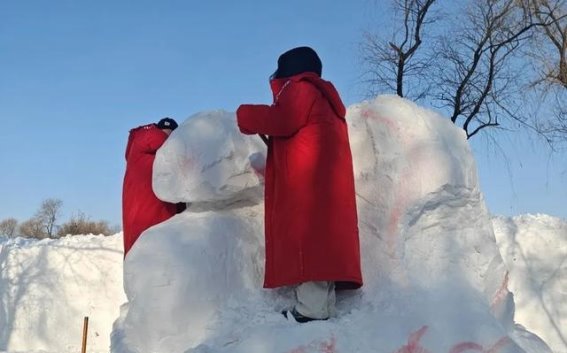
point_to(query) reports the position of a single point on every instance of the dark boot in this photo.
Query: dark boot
(298, 317)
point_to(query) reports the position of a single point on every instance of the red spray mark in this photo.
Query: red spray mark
(466, 346)
(374, 116)
(471, 346)
(185, 163)
(413, 345)
(300, 349)
(368, 114)
(396, 212)
(401, 200)
(501, 293)
(328, 347)
(322, 347)
(499, 345)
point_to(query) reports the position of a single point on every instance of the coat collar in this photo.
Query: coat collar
(327, 89)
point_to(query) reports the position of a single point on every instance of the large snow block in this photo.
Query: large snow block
(421, 213)
(181, 272)
(207, 159)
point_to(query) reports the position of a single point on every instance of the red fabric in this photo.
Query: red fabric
(141, 209)
(310, 209)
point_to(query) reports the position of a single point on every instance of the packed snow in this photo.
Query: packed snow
(439, 271)
(48, 286)
(534, 249)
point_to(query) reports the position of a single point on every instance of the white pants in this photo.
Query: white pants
(316, 299)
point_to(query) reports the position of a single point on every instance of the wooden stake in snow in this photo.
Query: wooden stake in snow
(85, 330)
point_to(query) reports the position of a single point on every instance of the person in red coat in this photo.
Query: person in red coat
(141, 208)
(311, 227)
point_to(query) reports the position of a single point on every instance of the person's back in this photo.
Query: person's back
(141, 208)
(310, 208)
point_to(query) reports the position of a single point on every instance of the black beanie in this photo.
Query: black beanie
(167, 123)
(296, 61)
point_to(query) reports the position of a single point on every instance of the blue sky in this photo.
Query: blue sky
(75, 76)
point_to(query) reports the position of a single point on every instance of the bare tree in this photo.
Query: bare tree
(549, 51)
(81, 224)
(474, 72)
(553, 124)
(477, 81)
(48, 215)
(32, 228)
(8, 227)
(43, 223)
(392, 62)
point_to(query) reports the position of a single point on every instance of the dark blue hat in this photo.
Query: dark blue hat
(296, 61)
(167, 123)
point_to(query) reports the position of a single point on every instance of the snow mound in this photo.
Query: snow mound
(47, 287)
(534, 248)
(434, 277)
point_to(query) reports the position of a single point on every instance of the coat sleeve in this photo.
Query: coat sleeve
(152, 141)
(286, 116)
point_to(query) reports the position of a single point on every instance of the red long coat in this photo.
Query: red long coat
(310, 209)
(141, 209)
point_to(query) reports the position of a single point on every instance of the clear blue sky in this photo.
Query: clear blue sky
(75, 76)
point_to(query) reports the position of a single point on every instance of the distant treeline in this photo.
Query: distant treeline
(45, 224)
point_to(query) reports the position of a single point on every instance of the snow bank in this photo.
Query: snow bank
(434, 278)
(535, 259)
(48, 286)
(534, 248)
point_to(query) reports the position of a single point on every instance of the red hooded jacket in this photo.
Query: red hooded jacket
(141, 209)
(310, 208)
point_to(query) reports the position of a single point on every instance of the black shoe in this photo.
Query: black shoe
(298, 317)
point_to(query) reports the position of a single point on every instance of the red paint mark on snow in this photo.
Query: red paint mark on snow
(366, 114)
(317, 346)
(501, 293)
(466, 346)
(393, 224)
(374, 116)
(471, 346)
(186, 162)
(329, 347)
(413, 345)
(501, 343)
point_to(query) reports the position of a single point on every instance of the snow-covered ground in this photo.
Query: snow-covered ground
(544, 238)
(439, 271)
(534, 248)
(47, 287)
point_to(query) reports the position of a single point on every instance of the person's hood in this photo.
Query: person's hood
(134, 133)
(325, 87)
